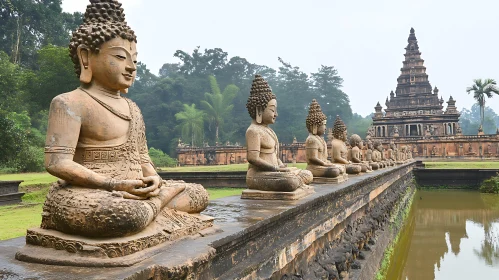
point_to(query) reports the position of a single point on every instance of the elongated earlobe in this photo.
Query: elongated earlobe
(259, 114)
(84, 58)
(314, 129)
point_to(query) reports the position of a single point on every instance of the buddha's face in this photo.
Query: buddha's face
(321, 129)
(114, 67)
(270, 112)
(343, 135)
(360, 144)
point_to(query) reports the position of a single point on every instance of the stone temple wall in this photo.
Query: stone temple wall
(444, 147)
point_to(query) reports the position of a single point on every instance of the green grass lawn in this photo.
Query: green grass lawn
(29, 178)
(462, 165)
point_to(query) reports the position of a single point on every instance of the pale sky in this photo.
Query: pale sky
(364, 40)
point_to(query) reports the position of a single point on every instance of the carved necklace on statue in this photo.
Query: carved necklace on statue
(109, 108)
(323, 142)
(272, 134)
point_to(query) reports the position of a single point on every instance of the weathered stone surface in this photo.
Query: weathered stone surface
(325, 180)
(9, 192)
(260, 238)
(269, 195)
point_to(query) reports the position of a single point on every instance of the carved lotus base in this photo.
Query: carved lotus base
(56, 248)
(269, 195)
(326, 180)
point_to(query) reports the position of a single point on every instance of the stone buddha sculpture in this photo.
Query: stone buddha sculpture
(402, 154)
(393, 153)
(355, 153)
(266, 172)
(370, 157)
(377, 157)
(96, 144)
(409, 152)
(339, 147)
(386, 160)
(316, 148)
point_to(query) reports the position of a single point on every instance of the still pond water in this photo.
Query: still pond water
(449, 235)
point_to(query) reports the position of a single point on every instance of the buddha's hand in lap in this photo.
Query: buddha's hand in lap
(283, 169)
(135, 189)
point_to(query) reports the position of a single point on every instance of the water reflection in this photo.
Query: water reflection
(449, 235)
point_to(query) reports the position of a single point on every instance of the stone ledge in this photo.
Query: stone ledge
(259, 238)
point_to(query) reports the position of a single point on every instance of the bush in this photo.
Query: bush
(490, 185)
(160, 159)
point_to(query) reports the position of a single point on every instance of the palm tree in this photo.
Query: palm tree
(191, 123)
(482, 89)
(218, 105)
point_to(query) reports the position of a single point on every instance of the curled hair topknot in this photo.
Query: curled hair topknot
(103, 21)
(339, 128)
(315, 115)
(260, 95)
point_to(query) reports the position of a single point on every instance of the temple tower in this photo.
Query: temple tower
(414, 109)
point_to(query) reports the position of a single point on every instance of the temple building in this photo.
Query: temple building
(415, 109)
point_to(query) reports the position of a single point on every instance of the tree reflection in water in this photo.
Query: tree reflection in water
(432, 241)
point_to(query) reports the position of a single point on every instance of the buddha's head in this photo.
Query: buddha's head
(262, 103)
(316, 120)
(378, 146)
(339, 129)
(103, 48)
(356, 141)
(392, 145)
(369, 144)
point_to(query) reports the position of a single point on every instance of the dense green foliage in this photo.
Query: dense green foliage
(470, 120)
(160, 159)
(490, 185)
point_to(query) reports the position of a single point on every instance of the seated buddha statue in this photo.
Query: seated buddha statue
(386, 160)
(377, 154)
(392, 152)
(355, 153)
(339, 147)
(409, 153)
(402, 154)
(96, 145)
(266, 172)
(370, 156)
(316, 147)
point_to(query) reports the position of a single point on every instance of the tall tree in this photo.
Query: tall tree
(481, 90)
(218, 105)
(191, 123)
(326, 86)
(28, 25)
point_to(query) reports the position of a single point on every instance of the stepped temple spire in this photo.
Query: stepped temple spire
(414, 108)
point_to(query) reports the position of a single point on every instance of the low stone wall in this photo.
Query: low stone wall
(453, 178)
(232, 179)
(9, 192)
(265, 239)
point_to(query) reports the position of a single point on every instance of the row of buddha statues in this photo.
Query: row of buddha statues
(267, 173)
(109, 201)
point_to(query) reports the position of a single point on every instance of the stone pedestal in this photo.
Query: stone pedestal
(326, 180)
(269, 195)
(9, 192)
(56, 248)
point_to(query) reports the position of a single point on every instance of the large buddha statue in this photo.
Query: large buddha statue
(316, 148)
(340, 151)
(355, 153)
(267, 176)
(96, 144)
